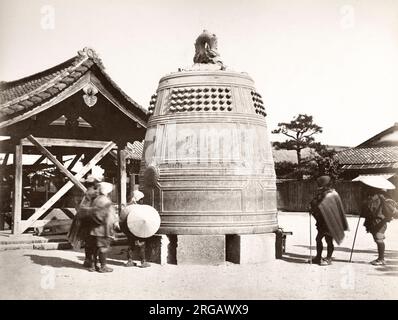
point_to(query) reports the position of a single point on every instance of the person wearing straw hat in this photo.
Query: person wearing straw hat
(328, 211)
(105, 220)
(377, 210)
(133, 240)
(82, 223)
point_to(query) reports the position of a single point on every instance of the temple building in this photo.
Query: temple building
(73, 110)
(376, 156)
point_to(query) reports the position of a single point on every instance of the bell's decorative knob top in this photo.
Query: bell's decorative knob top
(206, 50)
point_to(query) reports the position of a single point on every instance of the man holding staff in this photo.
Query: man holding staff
(328, 211)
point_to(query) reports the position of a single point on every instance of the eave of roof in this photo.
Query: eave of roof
(372, 156)
(26, 94)
(370, 166)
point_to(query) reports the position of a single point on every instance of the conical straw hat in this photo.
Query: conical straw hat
(143, 221)
(375, 181)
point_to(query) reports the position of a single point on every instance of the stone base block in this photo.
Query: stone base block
(200, 249)
(209, 249)
(250, 248)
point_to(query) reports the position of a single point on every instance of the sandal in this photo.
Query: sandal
(378, 262)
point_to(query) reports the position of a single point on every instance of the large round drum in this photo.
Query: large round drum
(207, 165)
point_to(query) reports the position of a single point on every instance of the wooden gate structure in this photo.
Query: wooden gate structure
(74, 108)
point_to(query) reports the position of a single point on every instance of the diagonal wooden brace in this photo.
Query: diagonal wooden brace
(38, 161)
(68, 185)
(5, 160)
(58, 164)
(76, 159)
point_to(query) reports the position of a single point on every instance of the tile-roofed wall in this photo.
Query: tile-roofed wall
(135, 150)
(281, 155)
(373, 155)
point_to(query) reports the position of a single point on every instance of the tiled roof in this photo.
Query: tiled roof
(370, 166)
(20, 96)
(134, 150)
(368, 158)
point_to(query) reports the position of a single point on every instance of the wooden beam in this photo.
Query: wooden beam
(60, 158)
(58, 164)
(5, 160)
(122, 178)
(74, 161)
(52, 142)
(17, 196)
(38, 161)
(68, 185)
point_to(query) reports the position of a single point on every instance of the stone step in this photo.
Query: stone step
(49, 243)
(38, 246)
(30, 240)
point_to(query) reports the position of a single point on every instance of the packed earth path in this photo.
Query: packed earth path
(59, 274)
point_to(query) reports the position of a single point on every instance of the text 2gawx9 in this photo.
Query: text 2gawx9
(200, 309)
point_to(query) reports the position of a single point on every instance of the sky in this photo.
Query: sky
(335, 60)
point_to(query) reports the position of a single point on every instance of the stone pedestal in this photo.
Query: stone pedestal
(250, 248)
(200, 249)
(210, 249)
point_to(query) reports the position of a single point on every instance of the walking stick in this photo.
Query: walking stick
(310, 241)
(355, 236)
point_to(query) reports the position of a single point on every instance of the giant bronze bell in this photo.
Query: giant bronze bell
(207, 165)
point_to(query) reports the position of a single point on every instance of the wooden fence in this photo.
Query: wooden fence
(296, 195)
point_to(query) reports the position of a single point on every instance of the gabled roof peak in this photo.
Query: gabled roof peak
(90, 53)
(374, 141)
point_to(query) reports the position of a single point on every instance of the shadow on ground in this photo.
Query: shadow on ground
(116, 257)
(301, 258)
(57, 262)
(389, 254)
(390, 269)
(343, 249)
(54, 262)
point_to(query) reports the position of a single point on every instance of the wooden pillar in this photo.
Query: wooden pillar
(17, 196)
(132, 184)
(121, 177)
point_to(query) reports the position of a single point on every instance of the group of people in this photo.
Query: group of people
(328, 211)
(95, 224)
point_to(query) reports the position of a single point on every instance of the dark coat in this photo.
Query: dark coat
(314, 209)
(81, 223)
(104, 217)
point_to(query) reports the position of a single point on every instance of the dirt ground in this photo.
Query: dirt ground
(56, 274)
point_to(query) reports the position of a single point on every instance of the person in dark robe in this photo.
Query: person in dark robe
(82, 222)
(101, 234)
(328, 211)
